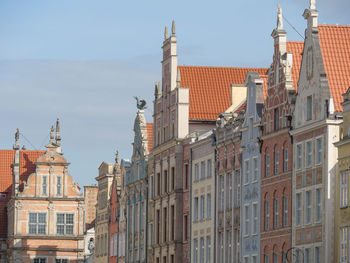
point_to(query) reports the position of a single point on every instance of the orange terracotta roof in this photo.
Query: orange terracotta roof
(296, 48)
(335, 48)
(210, 88)
(265, 78)
(243, 106)
(149, 127)
(27, 166)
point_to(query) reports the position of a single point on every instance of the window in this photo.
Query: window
(196, 172)
(208, 205)
(246, 219)
(158, 183)
(186, 176)
(343, 244)
(318, 150)
(202, 208)
(195, 218)
(201, 250)
(61, 260)
(255, 218)
(172, 178)
(208, 248)
(221, 247)
(285, 211)
(202, 170)
(308, 154)
(44, 185)
(186, 226)
(195, 251)
(318, 205)
(267, 215)
(298, 208)
(276, 162)
(254, 259)
(165, 181)
(309, 108)
(266, 258)
(65, 224)
(317, 255)
(308, 207)
(151, 187)
(229, 191)
(307, 255)
(285, 160)
(172, 214)
(136, 213)
(246, 171)
(255, 169)
(209, 168)
(277, 119)
(284, 257)
(39, 260)
(299, 153)
(229, 246)
(251, 128)
(275, 258)
(238, 188)
(37, 223)
(222, 193)
(275, 213)
(165, 224)
(344, 188)
(237, 245)
(267, 165)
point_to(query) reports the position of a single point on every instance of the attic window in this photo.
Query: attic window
(309, 108)
(2, 195)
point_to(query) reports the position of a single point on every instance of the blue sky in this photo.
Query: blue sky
(83, 61)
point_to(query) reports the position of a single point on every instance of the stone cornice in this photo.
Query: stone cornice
(278, 133)
(38, 198)
(54, 237)
(314, 125)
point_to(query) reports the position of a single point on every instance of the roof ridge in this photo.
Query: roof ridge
(294, 41)
(222, 67)
(328, 25)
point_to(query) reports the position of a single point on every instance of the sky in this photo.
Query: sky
(83, 61)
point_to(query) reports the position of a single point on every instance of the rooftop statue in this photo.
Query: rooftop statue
(140, 104)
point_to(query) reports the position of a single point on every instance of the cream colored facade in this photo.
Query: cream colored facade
(342, 204)
(203, 199)
(104, 179)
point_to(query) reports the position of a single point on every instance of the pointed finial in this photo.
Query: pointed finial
(173, 28)
(16, 145)
(166, 33)
(312, 4)
(58, 134)
(52, 137)
(279, 17)
(117, 157)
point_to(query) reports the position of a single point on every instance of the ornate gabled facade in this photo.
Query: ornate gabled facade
(324, 76)
(276, 148)
(228, 186)
(46, 209)
(137, 190)
(251, 163)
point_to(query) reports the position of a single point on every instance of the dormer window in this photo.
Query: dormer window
(309, 108)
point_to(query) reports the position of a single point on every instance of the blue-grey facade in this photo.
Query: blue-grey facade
(251, 167)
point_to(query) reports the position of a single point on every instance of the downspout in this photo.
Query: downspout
(146, 220)
(190, 214)
(215, 195)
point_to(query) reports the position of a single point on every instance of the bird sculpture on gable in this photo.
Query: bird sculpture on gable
(140, 104)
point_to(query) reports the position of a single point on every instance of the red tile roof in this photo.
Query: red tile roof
(265, 78)
(149, 127)
(27, 167)
(210, 88)
(335, 48)
(296, 48)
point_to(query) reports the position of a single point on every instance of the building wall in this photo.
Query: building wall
(203, 200)
(90, 197)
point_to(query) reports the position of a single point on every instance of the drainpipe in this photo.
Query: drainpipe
(190, 214)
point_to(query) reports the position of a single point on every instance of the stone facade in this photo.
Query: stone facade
(90, 197)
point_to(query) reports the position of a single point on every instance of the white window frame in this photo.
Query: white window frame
(246, 220)
(37, 223)
(298, 207)
(255, 215)
(201, 250)
(238, 188)
(196, 172)
(44, 189)
(229, 190)
(276, 162)
(285, 211)
(318, 205)
(344, 188)
(266, 215)
(319, 150)
(203, 170)
(308, 207)
(65, 224)
(246, 171)
(208, 250)
(275, 213)
(267, 165)
(202, 205)
(209, 167)
(255, 169)
(208, 205)
(195, 205)
(343, 241)
(285, 159)
(308, 152)
(299, 156)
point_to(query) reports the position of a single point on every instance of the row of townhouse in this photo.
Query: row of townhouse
(240, 164)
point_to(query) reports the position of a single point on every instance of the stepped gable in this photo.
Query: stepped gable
(335, 49)
(27, 167)
(296, 48)
(149, 128)
(210, 88)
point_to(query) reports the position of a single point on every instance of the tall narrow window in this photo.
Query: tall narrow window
(275, 213)
(151, 187)
(201, 250)
(298, 209)
(59, 185)
(158, 184)
(255, 169)
(267, 215)
(202, 208)
(165, 224)
(246, 219)
(318, 205)
(319, 151)
(209, 168)
(222, 193)
(209, 206)
(202, 170)
(275, 257)
(266, 258)
(208, 248)
(186, 227)
(172, 178)
(307, 255)
(221, 247)
(229, 246)
(195, 251)
(255, 219)
(277, 119)
(44, 185)
(308, 154)
(246, 171)
(308, 207)
(317, 255)
(276, 162)
(238, 188)
(195, 218)
(299, 157)
(344, 244)
(158, 227)
(165, 181)
(285, 211)
(229, 191)
(343, 188)
(196, 172)
(267, 165)
(172, 211)
(285, 160)
(251, 130)
(309, 108)
(137, 218)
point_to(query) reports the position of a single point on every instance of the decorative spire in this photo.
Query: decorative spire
(116, 165)
(117, 157)
(52, 137)
(279, 17)
(312, 5)
(58, 133)
(16, 145)
(166, 33)
(173, 28)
